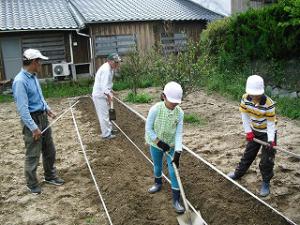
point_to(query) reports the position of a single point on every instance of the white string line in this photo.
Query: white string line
(54, 121)
(237, 184)
(216, 169)
(90, 169)
(149, 160)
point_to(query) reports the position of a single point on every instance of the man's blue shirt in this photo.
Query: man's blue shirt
(28, 97)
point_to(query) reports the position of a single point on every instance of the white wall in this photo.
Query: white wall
(219, 6)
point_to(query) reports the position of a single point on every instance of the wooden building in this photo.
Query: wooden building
(81, 33)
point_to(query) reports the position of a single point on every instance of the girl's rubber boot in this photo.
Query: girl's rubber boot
(176, 204)
(156, 187)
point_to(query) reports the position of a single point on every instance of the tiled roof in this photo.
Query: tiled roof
(35, 15)
(141, 10)
(18, 15)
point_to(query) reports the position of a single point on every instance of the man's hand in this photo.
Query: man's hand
(176, 158)
(109, 98)
(271, 145)
(250, 136)
(36, 134)
(164, 146)
(51, 114)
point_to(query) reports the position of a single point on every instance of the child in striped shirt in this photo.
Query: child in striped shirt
(259, 119)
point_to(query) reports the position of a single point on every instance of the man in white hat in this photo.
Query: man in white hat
(34, 110)
(103, 94)
(258, 116)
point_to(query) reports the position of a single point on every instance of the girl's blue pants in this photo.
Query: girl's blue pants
(157, 157)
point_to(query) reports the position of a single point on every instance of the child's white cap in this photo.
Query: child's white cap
(173, 92)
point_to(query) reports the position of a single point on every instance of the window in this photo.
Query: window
(121, 44)
(173, 43)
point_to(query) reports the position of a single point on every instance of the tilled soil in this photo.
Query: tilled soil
(220, 139)
(219, 201)
(124, 176)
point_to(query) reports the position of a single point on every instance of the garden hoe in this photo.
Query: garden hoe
(189, 217)
(112, 111)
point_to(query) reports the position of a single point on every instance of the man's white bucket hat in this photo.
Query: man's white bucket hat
(31, 54)
(173, 92)
(255, 85)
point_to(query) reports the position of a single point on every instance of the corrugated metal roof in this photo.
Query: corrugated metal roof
(35, 15)
(142, 10)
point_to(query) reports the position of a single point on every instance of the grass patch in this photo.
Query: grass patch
(139, 98)
(67, 89)
(121, 85)
(90, 220)
(288, 107)
(6, 98)
(194, 119)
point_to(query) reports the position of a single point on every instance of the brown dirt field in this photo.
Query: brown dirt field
(124, 175)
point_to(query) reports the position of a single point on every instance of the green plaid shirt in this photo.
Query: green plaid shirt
(165, 124)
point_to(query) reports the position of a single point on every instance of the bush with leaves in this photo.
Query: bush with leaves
(134, 70)
(265, 33)
(181, 68)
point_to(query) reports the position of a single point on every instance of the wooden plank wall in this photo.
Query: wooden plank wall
(192, 29)
(143, 31)
(147, 33)
(56, 44)
(1, 66)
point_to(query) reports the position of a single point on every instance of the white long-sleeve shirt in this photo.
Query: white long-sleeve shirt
(103, 81)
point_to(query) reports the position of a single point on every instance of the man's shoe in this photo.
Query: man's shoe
(233, 176)
(56, 181)
(114, 131)
(35, 190)
(265, 189)
(111, 136)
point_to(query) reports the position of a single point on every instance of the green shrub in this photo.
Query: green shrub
(265, 33)
(134, 70)
(138, 98)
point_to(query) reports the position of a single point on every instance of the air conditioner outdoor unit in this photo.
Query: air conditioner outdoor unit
(60, 69)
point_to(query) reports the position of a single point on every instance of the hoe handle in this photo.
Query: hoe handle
(181, 188)
(277, 148)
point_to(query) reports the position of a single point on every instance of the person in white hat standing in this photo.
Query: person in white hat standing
(259, 120)
(34, 110)
(164, 126)
(103, 95)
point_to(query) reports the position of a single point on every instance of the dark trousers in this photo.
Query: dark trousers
(266, 164)
(34, 149)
